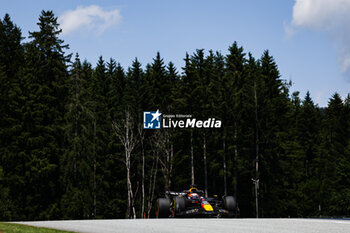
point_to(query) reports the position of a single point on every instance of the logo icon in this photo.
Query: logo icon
(151, 120)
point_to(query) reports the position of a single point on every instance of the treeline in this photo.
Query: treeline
(72, 144)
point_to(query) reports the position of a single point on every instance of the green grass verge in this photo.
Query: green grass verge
(19, 228)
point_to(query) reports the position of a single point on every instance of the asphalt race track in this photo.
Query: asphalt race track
(200, 225)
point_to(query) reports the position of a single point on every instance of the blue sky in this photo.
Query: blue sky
(308, 47)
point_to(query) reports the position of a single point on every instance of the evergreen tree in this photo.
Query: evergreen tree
(114, 169)
(308, 133)
(160, 85)
(11, 63)
(273, 108)
(100, 130)
(240, 128)
(76, 162)
(46, 72)
(133, 96)
(333, 159)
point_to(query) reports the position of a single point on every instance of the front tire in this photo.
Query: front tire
(163, 208)
(230, 203)
(179, 204)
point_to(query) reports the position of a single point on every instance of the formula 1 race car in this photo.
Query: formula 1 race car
(192, 203)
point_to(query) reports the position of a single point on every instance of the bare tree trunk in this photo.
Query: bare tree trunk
(192, 158)
(95, 161)
(75, 128)
(129, 185)
(166, 165)
(205, 166)
(166, 180)
(75, 134)
(143, 183)
(127, 164)
(152, 183)
(165, 151)
(235, 162)
(150, 189)
(141, 134)
(132, 202)
(154, 180)
(125, 132)
(171, 163)
(256, 181)
(225, 168)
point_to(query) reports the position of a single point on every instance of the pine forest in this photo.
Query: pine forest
(72, 144)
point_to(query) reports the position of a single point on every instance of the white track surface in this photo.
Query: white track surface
(199, 225)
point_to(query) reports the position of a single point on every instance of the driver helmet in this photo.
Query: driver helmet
(194, 195)
(193, 191)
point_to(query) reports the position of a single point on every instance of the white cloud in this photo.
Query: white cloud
(328, 16)
(88, 18)
(288, 29)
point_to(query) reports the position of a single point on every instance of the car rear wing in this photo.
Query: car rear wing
(175, 194)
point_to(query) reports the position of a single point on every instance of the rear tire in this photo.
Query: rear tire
(230, 203)
(163, 208)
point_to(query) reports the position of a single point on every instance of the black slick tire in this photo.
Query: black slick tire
(230, 203)
(179, 204)
(163, 208)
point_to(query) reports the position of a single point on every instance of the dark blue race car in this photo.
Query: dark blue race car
(192, 203)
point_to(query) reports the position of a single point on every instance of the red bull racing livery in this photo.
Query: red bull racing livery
(192, 203)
